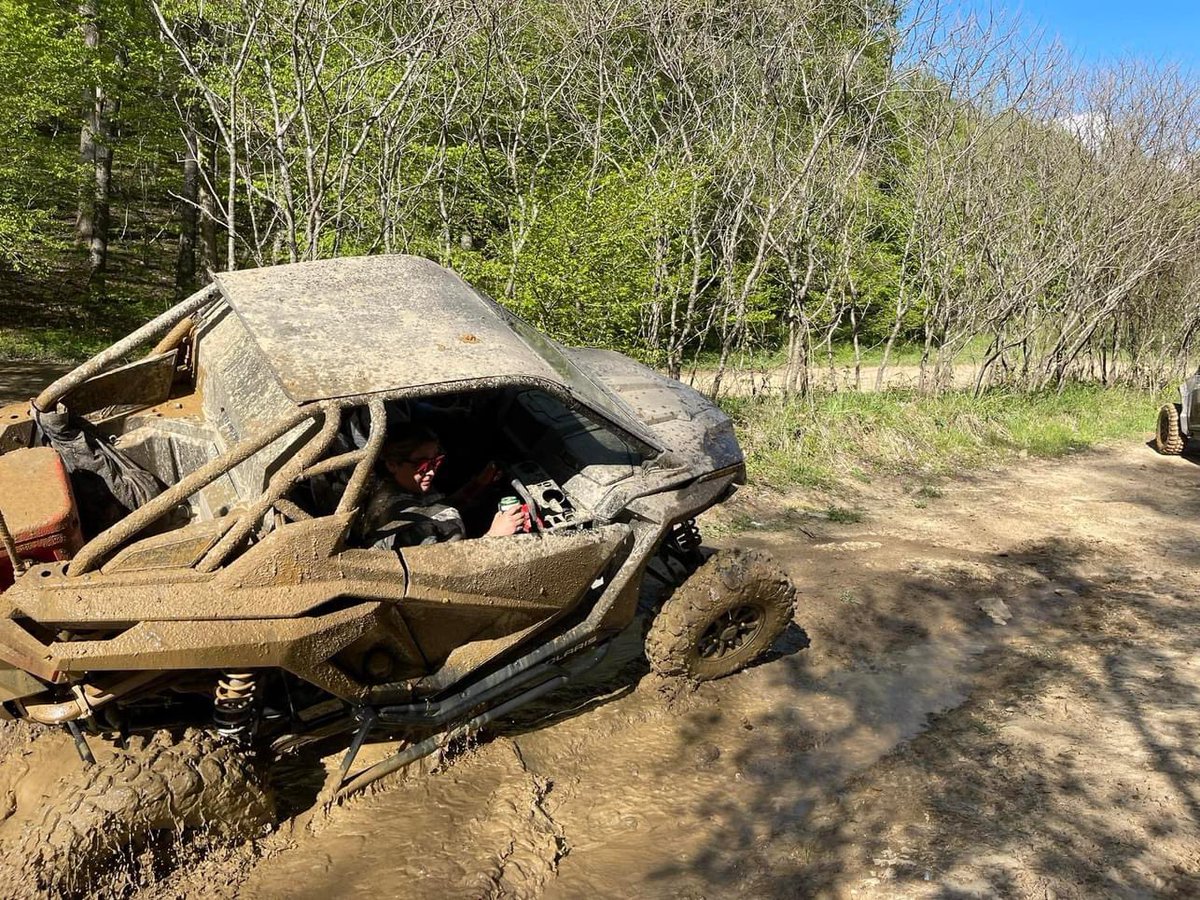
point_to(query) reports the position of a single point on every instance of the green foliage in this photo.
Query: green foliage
(41, 173)
(720, 182)
(39, 167)
(584, 269)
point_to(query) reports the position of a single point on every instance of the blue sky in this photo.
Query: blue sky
(1094, 30)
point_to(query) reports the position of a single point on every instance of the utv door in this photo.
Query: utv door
(469, 600)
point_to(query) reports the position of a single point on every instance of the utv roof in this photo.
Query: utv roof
(362, 325)
(372, 324)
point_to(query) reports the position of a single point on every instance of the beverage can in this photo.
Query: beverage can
(507, 503)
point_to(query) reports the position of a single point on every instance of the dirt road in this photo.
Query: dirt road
(999, 699)
(743, 382)
(992, 690)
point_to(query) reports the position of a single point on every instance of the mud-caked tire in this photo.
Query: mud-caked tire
(110, 810)
(727, 614)
(1168, 439)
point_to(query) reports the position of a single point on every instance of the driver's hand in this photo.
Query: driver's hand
(508, 521)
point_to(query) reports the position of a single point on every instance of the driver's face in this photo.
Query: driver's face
(415, 474)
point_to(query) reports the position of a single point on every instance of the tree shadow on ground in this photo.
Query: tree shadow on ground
(23, 379)
(991, 798)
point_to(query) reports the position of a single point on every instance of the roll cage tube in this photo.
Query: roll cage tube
(49, 398)
(279, 484)
(303, 464)
(89, 557)
(369, 455)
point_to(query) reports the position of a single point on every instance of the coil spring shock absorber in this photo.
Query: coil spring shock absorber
(679, 556)
(684, 544)
(235, 705)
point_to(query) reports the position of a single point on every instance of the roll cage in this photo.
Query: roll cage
(310, 431)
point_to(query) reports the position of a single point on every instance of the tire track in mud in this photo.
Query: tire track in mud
(478, 828)
(640, 789)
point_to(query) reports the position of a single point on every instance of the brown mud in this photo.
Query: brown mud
(990, 690)
(998, 700)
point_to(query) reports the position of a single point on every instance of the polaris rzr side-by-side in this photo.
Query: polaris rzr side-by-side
(185, 582)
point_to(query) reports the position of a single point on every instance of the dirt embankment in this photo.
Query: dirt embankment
(990, 691)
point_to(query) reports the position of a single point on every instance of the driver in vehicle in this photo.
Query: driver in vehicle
(406, 511)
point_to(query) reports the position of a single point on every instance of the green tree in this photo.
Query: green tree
(42, 73)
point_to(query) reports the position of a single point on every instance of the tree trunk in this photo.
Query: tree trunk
(209, 250)
(189, 219)
(98, 245)
(857, 349)
(91, 224)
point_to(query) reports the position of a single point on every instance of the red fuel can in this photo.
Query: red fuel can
(38, 507)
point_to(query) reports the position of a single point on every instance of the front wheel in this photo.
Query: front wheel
(727, 614)
(1168, 439)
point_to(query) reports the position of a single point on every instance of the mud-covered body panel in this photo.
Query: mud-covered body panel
(366, 325)
(1189, 411)
(694, 431)
(298, 585)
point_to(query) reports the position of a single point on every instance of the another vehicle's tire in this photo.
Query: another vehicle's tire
(1167, 438)
(112, 809)
(729, 612)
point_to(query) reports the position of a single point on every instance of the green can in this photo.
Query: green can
(507, 503)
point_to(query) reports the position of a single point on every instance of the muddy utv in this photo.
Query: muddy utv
(1179, 422)
(186, 593)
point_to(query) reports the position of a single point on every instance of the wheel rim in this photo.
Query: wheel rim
(731, 631)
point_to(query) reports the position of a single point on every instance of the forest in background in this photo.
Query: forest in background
(757, 182)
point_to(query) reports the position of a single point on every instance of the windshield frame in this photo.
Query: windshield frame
(585, 391)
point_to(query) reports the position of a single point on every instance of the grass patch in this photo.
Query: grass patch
(742, 523)
(833, 437)
(52, 344)
(922, 495)
(844, 516)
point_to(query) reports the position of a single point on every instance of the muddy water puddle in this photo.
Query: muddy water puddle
(644, 793)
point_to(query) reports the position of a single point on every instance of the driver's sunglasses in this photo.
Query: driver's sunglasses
(427, 465)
